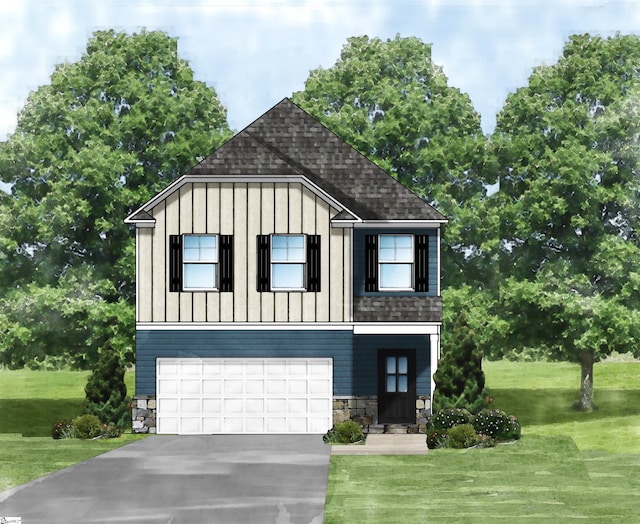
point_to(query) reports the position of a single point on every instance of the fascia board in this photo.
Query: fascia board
(399, 223)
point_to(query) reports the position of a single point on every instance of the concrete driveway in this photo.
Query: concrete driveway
(185, 479)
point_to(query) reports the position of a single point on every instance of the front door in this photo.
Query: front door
(397, 386)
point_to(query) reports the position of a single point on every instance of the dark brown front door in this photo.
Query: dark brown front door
(397, 386)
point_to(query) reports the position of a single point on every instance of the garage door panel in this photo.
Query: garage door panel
(210, 386)
(190, 386)
(168, 387)
(244, 395)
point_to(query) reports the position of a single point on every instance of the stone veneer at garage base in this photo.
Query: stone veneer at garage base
(362, 409)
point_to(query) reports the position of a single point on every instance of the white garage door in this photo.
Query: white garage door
(253, 395)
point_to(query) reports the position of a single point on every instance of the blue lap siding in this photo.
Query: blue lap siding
(365, 360)
(355, 358)
(152, 344)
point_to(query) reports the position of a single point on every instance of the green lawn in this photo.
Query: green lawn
(30, 402)
(568, 466)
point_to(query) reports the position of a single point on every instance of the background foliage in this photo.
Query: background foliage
(107, 133)
(542, 245)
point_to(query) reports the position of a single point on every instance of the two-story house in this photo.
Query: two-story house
(284, 283)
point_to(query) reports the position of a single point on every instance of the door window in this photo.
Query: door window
(397, 375)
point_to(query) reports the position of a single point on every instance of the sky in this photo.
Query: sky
(255, 53)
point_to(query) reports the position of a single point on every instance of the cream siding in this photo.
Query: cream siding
(244, 211)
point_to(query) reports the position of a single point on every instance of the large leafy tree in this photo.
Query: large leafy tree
(392, 103)
(108, 132)
(566, 146)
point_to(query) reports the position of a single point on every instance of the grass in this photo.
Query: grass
(568, 466)
(30, 403)
(541, 395)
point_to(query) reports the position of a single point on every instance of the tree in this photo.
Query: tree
(109, 132)
(459, 378)
(106, 391)
(106, 134)
(389, 101)
(566, 149)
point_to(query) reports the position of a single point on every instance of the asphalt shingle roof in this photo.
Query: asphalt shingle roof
(288, 141)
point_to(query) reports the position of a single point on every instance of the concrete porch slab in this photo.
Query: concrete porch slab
(386, 444)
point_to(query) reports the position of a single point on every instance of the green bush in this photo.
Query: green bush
(447, 418)
(87, 426)
(106, 392)
(512, 431)
(63, 429)
(346, 432)
(437, 438)
(462, 436)
(495, 423)
(459, 378)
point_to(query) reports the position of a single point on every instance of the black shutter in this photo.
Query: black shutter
(371, 263)
(175, 263)
(225, 263)
(422, 263)
(264, 263)
(313, 262)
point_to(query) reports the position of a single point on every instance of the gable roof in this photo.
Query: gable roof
(288, 142)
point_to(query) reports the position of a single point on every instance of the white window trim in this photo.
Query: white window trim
(412, 263)
(280, 262)
(216, 282)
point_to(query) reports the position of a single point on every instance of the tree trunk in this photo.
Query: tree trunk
(586, 383)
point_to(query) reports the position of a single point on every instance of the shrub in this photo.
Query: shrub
(437, 438)
(459, 378)
(346, 432)
(492, 422)
(513, 430)
(447, 418)
(63, 429)
(485, 441)
(462, 436)
(87, 426)
(110, 431)
(106, 391)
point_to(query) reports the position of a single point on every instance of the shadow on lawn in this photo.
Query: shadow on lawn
(553, 406)
(35, 417)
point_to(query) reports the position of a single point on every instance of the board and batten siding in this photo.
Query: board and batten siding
(335, 344)
(243, 210)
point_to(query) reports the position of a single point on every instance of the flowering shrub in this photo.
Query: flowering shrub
(485, 441)
(457, 428)
(437, 438)
(496, 423)
(63, 429)
(448, 418)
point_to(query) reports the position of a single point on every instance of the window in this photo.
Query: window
(200, 263)
(397, 375)
(288, 263)
(396, 262)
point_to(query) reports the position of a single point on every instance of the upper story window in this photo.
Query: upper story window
(200, 262)
(396, 262)
(288, 263)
